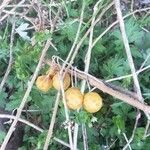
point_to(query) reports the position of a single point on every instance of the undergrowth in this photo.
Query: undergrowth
(107, 128)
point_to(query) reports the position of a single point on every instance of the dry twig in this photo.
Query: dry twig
(10, 57)
(127, 141)
(127, 48)
(114, 23)
(4, 4)
(133, 132)
(87, 64)
(88, 31)
(50, 131)
(64, 64)
(12, 10)
(131, 64)
(130, 75)
(24, 100)
(115, 91)
(33, 126)
(23, 121)
(146, 129)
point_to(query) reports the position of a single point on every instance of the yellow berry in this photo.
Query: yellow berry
(74, 98)
(57, 83)
(44, 83)
(92, 102)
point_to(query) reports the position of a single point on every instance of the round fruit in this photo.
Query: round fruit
(66, 81)
(92, 102)
(44, 83)
(74, 98)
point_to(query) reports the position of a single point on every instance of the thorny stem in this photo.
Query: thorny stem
(46, 5)
(66, 111)
(4, 4)
(130, 75)
(76, 38)
(112, 144)
(23, 121)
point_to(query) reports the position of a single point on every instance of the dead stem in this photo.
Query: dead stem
(134, 129)
(131, 64)
(33, 126)
(50, 131)
(24, 100)
(115, 91)
(10, 57)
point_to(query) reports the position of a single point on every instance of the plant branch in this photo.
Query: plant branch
(87, 64)
(45, 5)
(88, 31)
(51, 127)
(130, 75)
(128, 51)
(131, 64)
(62, 142)
(10, 58)
(4, 4)
(64, 64)
(33, 126)
(24, 100)
(114, 23)
(12, 10)
(133, 132)
(72, 53)
(23, 121)
(146, 129)
(115, 91)
(127, 140)
(66, 111)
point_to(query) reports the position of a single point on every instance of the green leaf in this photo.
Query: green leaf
(121, 109)
(115, 66)
(139, 133)
(2, 136)
(138, 142)
(119, 122)
(133, 30)
(26, 59)
(98, 48)
(15, 100)
(143, 42)
(21, 31)
(3, 98)
(82, 117)
(70, 30)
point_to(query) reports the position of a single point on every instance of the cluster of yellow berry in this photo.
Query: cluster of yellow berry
(91, 102)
